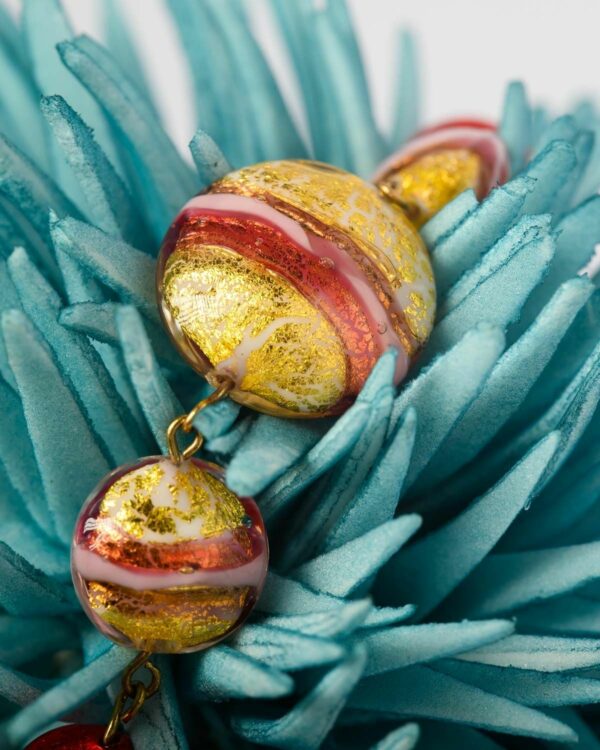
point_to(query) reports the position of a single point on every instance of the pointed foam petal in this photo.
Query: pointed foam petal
(32, 193)
(573, 614)
(97, 320)
(28, 592)
(125, 270)
(376, 500)
(45, 25)
(328, 624)
(529, 229)
(568, 360)
(525, 687)
(79, 286)
(380, 617)
(284, 596)
(167, 182)
(212, 71)
(68, 470)
(219, 418)
(10, 36)
(456, 251)
(567, 504)
(297, 21)
(108, 202)
(571, 413)
(333, 447)
(577, 235)
(538, 653)
(159, 403)
(77, 360)
(27, 539)
(66, 696)
(506, 582)
(223, 672)
(228, 443)
(307, 534)
(269, 448)
(550, 169)
(21, 232)
(363, 143)
(583, 144)
(16, 454)
(510, 380)
(21, 95)
(397, 648)
(286, 650)
(432, 567)
(448, 218)
(442, 392)
(587, 739)
(309, 722)
(423, 692)
(342, 21)
(122, 47)
(516, 124)
(495, 291)
(563, 128)
(404, 738)
(208, 158)
(271, 123)
(9, 300)
(406, 93)
(343, 570)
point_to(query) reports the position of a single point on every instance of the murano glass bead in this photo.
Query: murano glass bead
(165, 558)
(290, 279)
(441, 162)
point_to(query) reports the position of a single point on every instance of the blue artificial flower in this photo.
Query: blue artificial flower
(436, 571)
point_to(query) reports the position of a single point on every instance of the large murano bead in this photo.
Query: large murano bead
(290, 279)
(165, 558)
(441, 162)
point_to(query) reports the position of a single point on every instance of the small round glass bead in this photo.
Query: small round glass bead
(165, 558)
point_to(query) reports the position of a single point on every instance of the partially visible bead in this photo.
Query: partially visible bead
(78, 737)
(165, 558)
(441, 162)
(291, 278)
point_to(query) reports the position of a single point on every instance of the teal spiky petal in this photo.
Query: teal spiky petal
(436, 550)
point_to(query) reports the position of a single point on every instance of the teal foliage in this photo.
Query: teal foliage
(435, 577)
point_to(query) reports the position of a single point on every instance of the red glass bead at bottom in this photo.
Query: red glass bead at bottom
(78, 737)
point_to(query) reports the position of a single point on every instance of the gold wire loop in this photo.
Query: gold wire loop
(217, 395)
(132, 690)
(177, 455)
(186, 423)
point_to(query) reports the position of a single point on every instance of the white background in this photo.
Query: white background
(469, 50)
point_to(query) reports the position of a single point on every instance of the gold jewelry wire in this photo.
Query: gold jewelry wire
(186, 423)
(132, 690)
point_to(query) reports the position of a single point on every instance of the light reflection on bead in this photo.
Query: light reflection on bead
(165, 558)
(291, 278)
